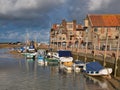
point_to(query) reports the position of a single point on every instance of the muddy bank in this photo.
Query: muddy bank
(7, 45)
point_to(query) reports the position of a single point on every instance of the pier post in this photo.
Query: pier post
(106, 42)
(117, 55)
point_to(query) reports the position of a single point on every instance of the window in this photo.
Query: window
(117, 28)
(63, 38)
(95, 29)
(70, 38)
(59, 38)
(70, 26)
(60, 31)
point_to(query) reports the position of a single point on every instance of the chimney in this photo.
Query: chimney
(74, 25)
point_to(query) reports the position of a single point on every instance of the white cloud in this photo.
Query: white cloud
(12, 6)
(98, 4)
(38, 35)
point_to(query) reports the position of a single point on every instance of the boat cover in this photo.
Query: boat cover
(65, 53)
(93, 66)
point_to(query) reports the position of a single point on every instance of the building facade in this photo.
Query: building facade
(99, 30)
(101, 27)
(66, 34)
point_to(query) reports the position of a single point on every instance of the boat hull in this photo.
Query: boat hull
(96, 69)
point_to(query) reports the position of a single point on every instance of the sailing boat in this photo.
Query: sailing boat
(29, 49)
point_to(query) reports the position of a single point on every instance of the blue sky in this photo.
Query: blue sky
(35, 17)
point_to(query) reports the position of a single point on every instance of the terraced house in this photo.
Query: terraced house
(102, 27)
(66, 34)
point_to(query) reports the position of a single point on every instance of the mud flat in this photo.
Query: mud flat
(7, 45)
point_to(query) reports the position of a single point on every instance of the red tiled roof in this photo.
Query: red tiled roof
(105, 20)
(79, 26)
(55, 26)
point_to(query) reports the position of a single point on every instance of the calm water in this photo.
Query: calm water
(21, 74)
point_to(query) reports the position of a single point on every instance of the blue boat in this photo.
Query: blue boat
(41, 57)
(41, 60)
(66, 60)
(96, 69)
(65, 56)
(64, 53)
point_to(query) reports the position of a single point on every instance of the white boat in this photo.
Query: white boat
(55, 55)
(30, 55)
(96, 69)
(78, 65)
(66, 60)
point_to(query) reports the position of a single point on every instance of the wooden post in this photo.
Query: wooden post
(117, 55)
(86, 46)
(78, 49)
(106, 42)
(94, 53)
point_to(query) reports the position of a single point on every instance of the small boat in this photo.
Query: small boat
(55, 55)
(41, 60)
(78, 65)
(66, 60)
(96, 69)
(31, 48)
(52, 61)
(30, 55)
(41, 57)
(51, 58)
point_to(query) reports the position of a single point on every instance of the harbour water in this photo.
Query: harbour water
(21, 74)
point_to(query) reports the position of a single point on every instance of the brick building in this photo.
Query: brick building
(103, 26)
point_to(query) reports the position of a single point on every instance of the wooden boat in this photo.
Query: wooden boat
(96, 69)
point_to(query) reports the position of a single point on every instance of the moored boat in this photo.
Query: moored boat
(41, 60)
(30, 55)
(51, 60)
(66, 60)
(41, 57)
(78, 65)
(96, 69)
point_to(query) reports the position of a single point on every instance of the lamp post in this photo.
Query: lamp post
(117, 53)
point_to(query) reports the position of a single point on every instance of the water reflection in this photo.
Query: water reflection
(98, 81)
(22, 74)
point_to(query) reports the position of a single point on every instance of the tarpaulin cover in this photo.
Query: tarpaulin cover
(65, 53)
(93, 66)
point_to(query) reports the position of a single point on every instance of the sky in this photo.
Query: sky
(32, 19)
